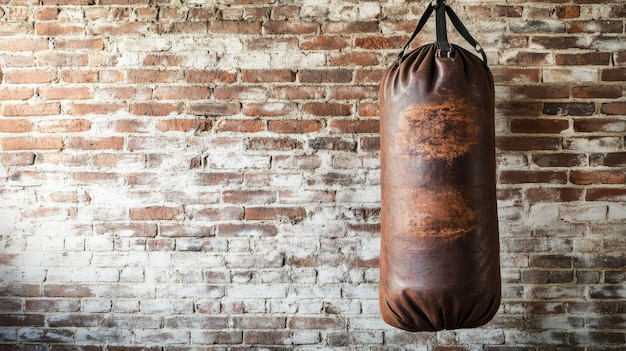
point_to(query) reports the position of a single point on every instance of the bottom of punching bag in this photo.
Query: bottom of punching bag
(413, 312)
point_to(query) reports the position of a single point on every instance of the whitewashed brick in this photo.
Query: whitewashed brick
(256, 291)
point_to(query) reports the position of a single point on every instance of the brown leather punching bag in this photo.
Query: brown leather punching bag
(440, 263)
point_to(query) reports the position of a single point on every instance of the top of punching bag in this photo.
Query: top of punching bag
(443, 45)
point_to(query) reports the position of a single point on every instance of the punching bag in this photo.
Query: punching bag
(440, 263)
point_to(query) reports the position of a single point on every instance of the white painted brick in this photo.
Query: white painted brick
(297, 60)
(310, 307)
(305, 337)
(331, 276)
(581, 213)
(23, 274)
(363, 291)
(238, 161)
(166, 306)
(573, 75)
(96, 306)
(286, 306)
(150, 44)
(330, 292)
(371, 194)
(256, 291)
(368, 323)
(544, 214)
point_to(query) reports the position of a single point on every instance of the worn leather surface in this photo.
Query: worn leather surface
(440, 266)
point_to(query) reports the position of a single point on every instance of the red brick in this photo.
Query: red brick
(597, 177)
(519, 177)
(79, 44)
(241, 125)
(181, 93)
(184, 125)
(559, 42)
(64, 93)
(268, 109)
(235, 27)
(80, 143)
(156, 108)
(95, 109)
(539, 125)
(55, 29)
(294, 126)
(614, 159)
(350, 27)
(591, 58)
(69, 290)
(201, 76)
(213, 109)
(528, 143)
(597, 91)
(519, 108)
(236, 92)
(22, 320)
(590, 125)
(24, 44)
(508, 11)
(16, 93)
(614, 108)
(290, 27)
(606, 194)
(65, 126)
(516, 74)
(291, 214)
(364, 76)
(353, 126)
(325, 76)
(262, 143)
(151, 76)
(545, 194)
(568, 11)
(53, 305)
(380, 43)
(155, 213)
(325, 43)
(163, 60)
(30, 76)
(332, 143)
(267, 75)
(370, 144)
(46, 13)
(366, 109)
(618, 11)
(71, 76)
(15, 125)
(308, 323)
(32, 143)
(248, 196)
(327, 109)
(62, 60)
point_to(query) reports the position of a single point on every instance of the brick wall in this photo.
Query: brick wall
(204, 175)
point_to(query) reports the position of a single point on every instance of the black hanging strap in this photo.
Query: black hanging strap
(419, 27)
(441, 30)
(442, 38)
(464, 32)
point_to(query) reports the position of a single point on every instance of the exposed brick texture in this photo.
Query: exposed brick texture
(204, 175)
